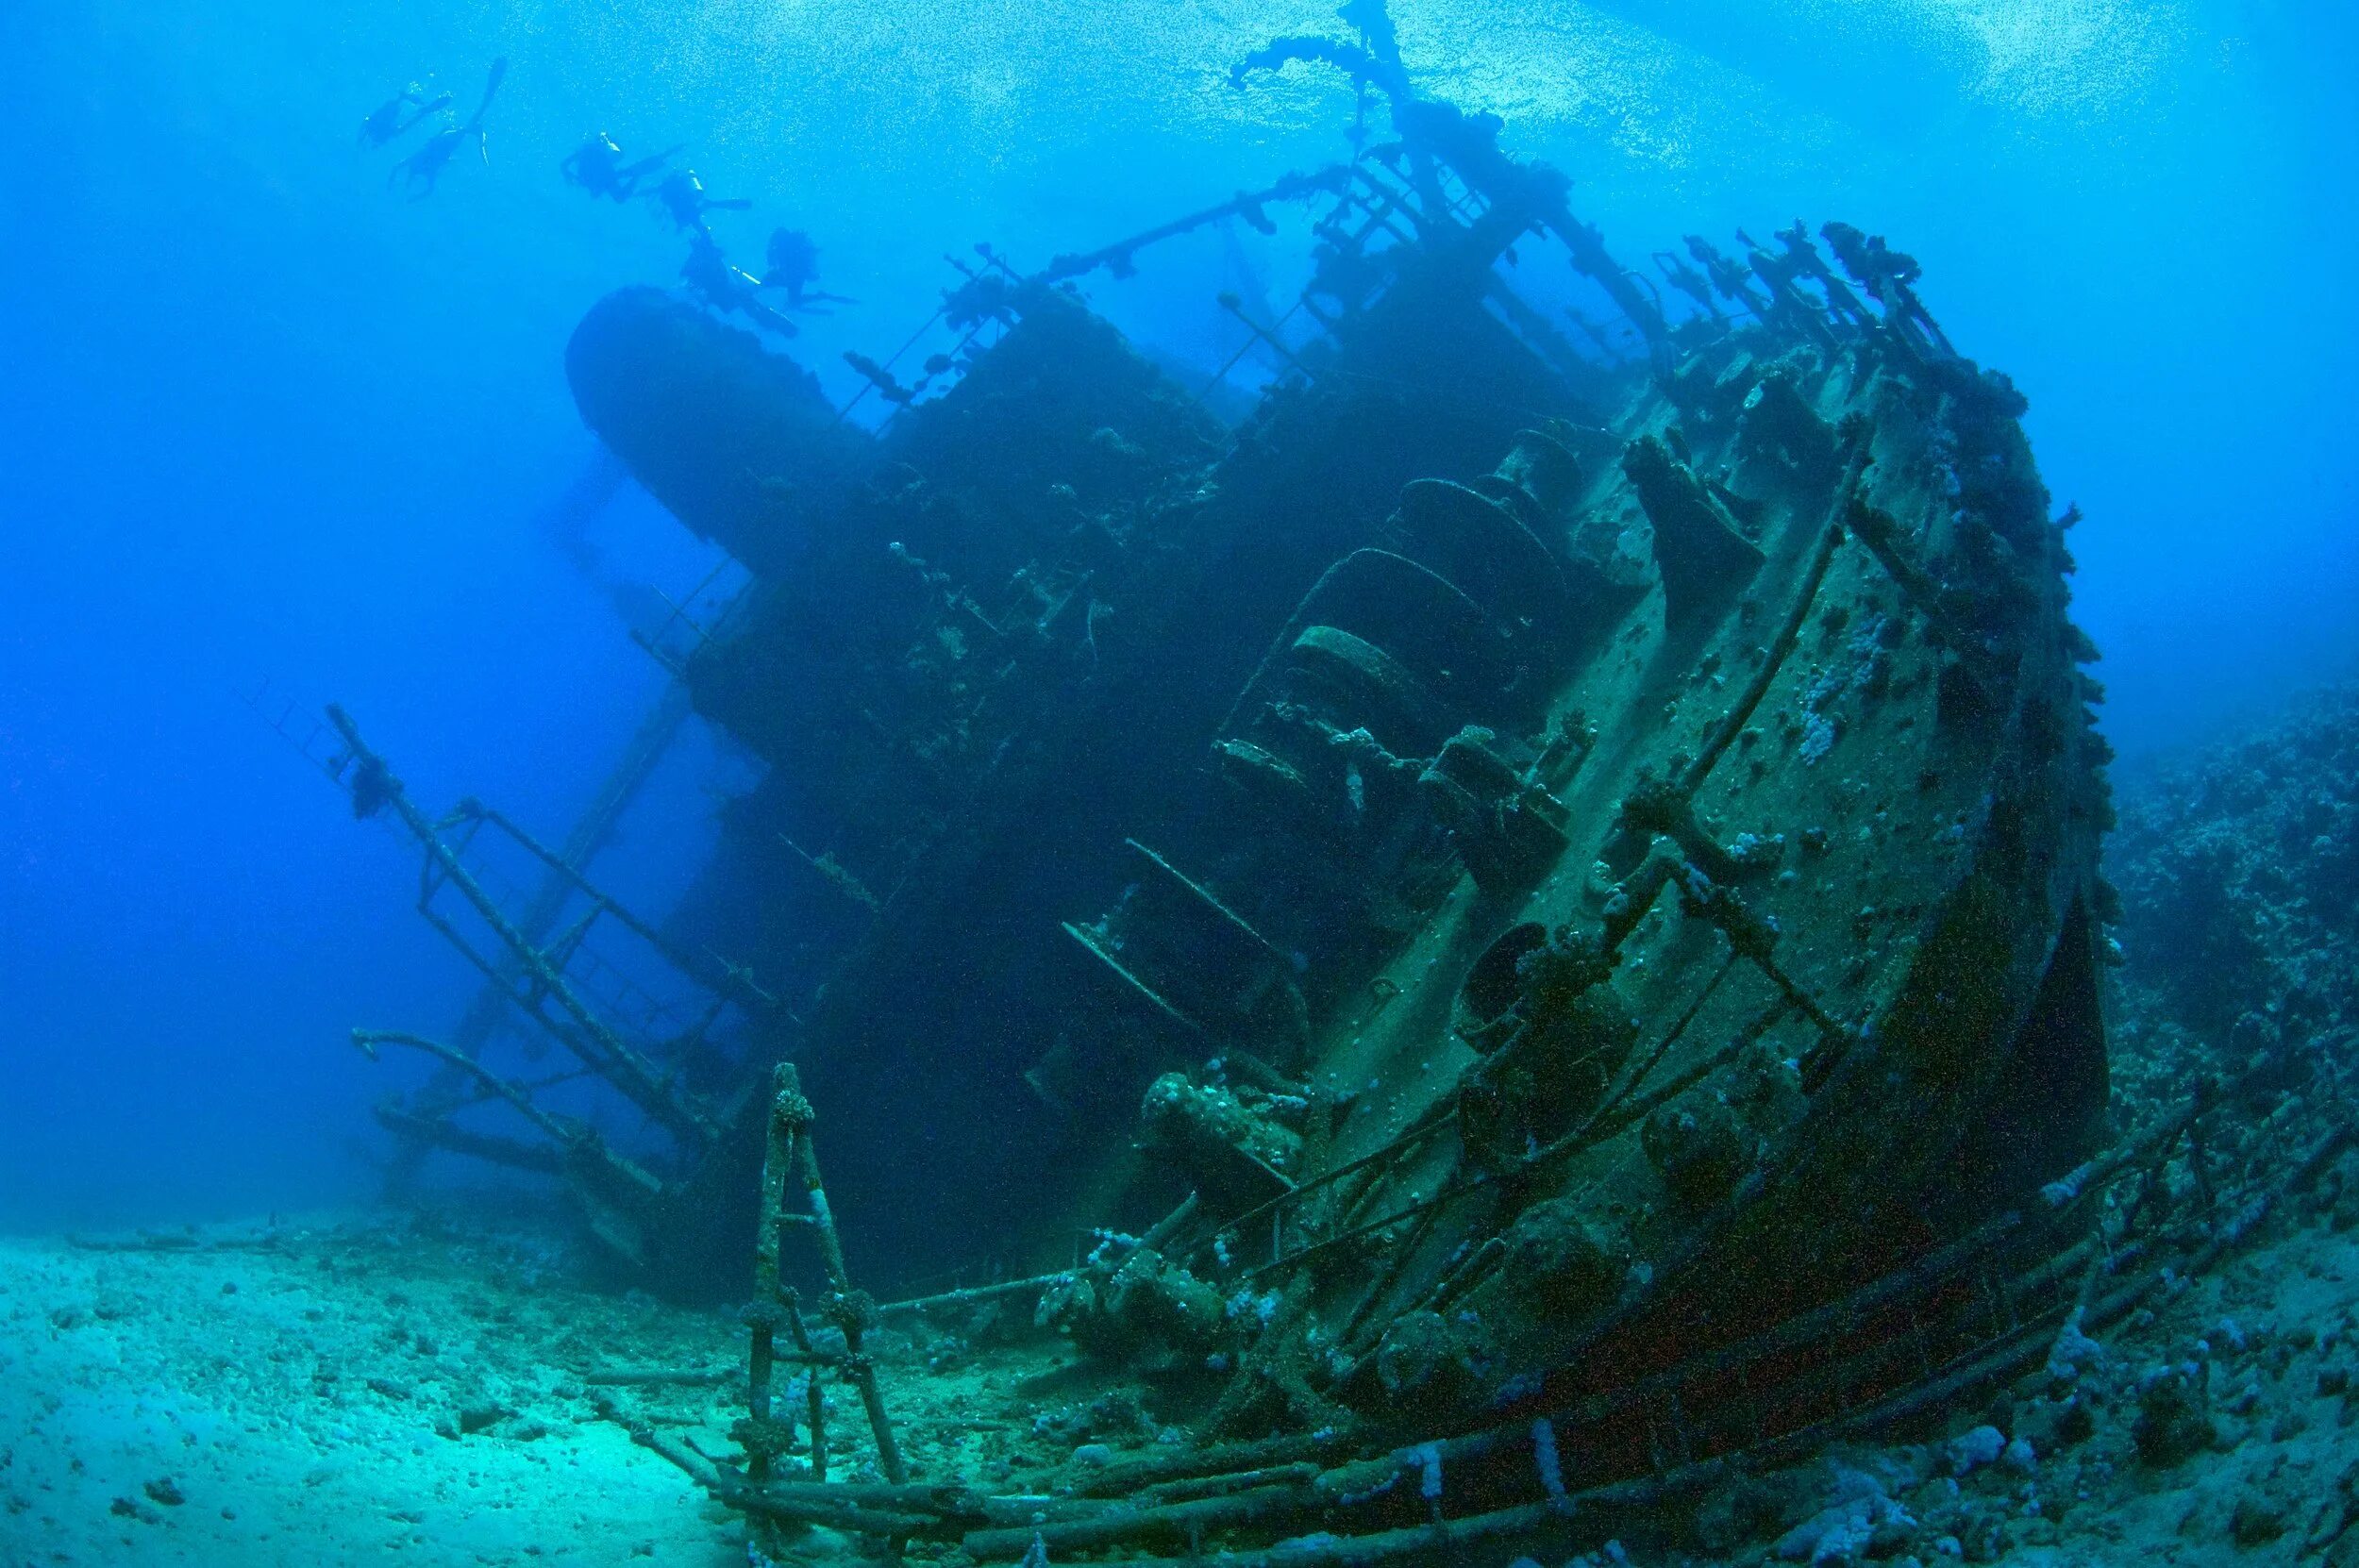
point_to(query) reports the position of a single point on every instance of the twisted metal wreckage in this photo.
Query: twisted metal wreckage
(1585, 851)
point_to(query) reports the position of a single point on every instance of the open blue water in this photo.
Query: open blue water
(264, 420)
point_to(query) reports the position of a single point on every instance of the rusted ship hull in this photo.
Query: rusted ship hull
(1530, 881)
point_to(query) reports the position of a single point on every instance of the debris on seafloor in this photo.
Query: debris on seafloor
(1554, 889)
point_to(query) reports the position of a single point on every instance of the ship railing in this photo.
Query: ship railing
(694, 620)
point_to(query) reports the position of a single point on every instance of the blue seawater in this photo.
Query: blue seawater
(274, 428)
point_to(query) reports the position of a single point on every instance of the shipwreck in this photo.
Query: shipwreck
(1534, 894)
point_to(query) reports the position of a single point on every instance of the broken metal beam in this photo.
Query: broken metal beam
(375, 789)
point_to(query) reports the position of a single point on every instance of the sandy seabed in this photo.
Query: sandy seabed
(372, 1390)
(331, 1392)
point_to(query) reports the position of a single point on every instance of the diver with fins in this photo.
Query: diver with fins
(385, 123)
(793, 264)
(424, 166)
(726, 287)
(681, 195)
(598, 168)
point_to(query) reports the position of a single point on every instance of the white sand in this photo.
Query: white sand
(305, 1401)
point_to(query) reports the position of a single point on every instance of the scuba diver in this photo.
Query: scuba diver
(726, 287)
(598, 168)
(424, 166)
(793, 264)
(682, 195)
(385, 122)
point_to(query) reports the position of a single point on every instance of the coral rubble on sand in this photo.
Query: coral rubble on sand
(325, 1393)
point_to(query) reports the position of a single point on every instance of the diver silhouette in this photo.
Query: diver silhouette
(424, 166)
(681, 195)
(793, 264)
(385, 122)
(598, 168)
(724, 287)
